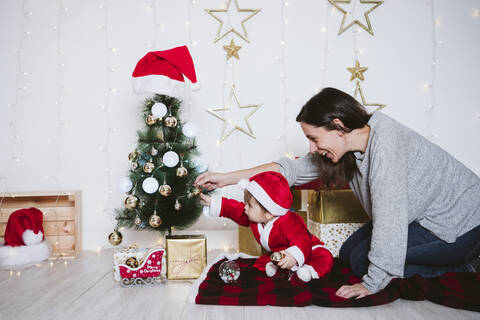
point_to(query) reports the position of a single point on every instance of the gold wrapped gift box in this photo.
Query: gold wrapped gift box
(186, 256)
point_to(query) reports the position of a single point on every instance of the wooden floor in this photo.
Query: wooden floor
(85, 289)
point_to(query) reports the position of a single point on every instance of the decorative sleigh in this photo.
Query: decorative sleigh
(148, 272)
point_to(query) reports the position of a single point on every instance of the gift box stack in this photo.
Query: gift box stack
(185, 257)
(333, 215)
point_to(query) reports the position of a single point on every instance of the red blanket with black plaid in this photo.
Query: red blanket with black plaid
(457, 290)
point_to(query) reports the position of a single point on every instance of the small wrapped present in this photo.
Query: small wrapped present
(333, 216)
(186, 256)
(131, 256)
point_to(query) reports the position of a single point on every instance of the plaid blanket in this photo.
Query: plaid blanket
(457, 290)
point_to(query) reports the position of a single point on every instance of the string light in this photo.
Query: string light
(109, 50)
(430, 86)
(283, 77)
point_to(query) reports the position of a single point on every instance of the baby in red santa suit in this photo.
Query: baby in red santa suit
(276, 228)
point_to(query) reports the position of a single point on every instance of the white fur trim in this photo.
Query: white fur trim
(30, 238)
(243, 183)
(304, 273)
(318, 246)
(158, 84)
(196, 284)
(265, 233)
(215, 206)
(298, 255)
(261, 195)
(270, 269)
(23, 256)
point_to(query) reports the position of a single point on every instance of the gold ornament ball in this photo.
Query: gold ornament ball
(171, 121)
(150, 120)
(196, 191)
(177, 205)
(131, 202)
(138, 221)
(155, 221)
(148, 167)
(115, 238)
(133, 165)
(165, 190)
(132, 262)
(181, 172)
(132, 155)
(276, 257)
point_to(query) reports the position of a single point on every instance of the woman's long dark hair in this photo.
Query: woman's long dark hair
(320, 111)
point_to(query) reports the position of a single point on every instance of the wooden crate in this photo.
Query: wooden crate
(61, 217)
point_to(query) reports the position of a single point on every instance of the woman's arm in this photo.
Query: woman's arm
(215, 180)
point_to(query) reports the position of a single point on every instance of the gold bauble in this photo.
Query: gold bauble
(150, 120)
(182, 171)
(115, 238)
(131, 202)
(148, 167)
(196, 191)
(137, 220)
(165, 190)
(177, 205)
(155, 221)
(133, 165)
(132, 262)
(132, 155)
(170, 121)
(276, 257)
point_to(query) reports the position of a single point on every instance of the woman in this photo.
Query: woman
(424, 204)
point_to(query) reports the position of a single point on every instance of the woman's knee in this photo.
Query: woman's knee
(358, 259)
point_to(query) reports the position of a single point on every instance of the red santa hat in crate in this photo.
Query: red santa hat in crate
(24, 240)
(271, 190)
(163, 72)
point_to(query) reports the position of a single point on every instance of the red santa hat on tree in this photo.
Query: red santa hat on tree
(24, 239)
(163, 72)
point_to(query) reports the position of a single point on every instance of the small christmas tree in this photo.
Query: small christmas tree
(161, 191)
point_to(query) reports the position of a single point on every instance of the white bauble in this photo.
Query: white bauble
(150, 185)
(125, 184)
(189, 130)
(170, 159)
(200, 163)
(159, 110)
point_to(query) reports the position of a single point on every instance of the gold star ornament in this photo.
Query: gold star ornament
(357, 71)
(236, 19)
(230, 125)
(232, 50)
(338, 4)
(358, 90)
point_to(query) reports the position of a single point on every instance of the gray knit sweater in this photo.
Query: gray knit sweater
(403, 178)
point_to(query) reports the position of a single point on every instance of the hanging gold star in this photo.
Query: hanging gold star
(229, 125)
(234, 29)
(367, 27)
(357, 71)
(232, 50)
(358, 89)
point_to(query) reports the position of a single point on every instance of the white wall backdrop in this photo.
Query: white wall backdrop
(68, 115)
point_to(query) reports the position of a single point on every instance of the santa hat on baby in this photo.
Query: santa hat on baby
(163, 72)
(271, 190)
(24, 239)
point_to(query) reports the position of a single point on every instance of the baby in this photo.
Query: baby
(276, 228)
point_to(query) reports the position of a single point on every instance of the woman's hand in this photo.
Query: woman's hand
(205, 200)
(288, 261)
(211, 180)
(357, 290)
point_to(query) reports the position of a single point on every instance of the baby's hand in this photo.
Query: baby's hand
(205, 200)
(288, 261)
